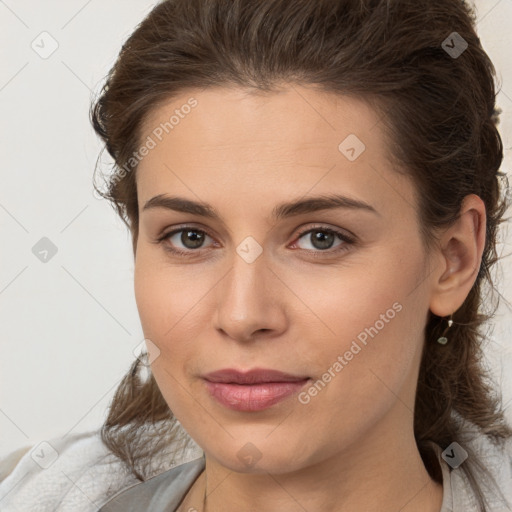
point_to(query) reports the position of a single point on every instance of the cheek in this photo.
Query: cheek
(149, 297)
(165, 297)
(371, 341)
(366, 298)
(169, 304)
(163, 315)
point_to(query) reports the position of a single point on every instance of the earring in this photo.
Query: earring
(443, 340)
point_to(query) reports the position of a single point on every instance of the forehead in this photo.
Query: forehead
(290, 114)
(231, 140)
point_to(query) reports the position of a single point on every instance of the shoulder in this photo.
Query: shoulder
(164, 491)
(9, 461)
(60, 473)
(495, 458)
(73, 473)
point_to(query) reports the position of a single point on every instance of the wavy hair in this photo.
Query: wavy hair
(438, 113)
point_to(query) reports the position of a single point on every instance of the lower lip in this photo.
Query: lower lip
(253, 397)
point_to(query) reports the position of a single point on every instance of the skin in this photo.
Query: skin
(352, 446)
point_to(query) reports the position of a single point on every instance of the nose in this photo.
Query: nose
(250, 301)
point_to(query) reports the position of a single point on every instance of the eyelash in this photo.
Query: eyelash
(316, 253)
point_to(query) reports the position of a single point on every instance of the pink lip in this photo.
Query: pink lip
(254, 390)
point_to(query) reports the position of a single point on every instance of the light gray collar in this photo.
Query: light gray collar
(161, 492)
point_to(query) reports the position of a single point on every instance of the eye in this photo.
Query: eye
(191, 238)
(322, 239)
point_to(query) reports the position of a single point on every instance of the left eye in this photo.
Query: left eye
(322, 238)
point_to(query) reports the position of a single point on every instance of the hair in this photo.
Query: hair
(437, 111)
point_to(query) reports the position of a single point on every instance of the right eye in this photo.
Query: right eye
(190, 237)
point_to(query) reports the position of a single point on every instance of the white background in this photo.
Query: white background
(68, 327)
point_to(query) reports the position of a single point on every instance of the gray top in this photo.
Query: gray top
(165, 491)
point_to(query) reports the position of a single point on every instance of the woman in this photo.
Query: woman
(313, 194)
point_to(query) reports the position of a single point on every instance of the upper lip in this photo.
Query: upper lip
(254, 376)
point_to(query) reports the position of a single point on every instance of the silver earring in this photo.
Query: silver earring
(443, 340)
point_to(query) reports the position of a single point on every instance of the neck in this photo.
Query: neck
(381, 471)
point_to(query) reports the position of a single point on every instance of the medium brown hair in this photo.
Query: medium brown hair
(438, 113)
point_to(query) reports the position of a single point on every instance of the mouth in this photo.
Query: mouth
(251, 391)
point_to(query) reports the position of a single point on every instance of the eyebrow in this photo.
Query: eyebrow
(281, 211)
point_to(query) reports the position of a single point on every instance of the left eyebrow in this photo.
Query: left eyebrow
(325, 202)
(281, 211)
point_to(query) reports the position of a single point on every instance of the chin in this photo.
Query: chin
(249, 459)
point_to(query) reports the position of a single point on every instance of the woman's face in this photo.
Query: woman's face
(254, 287)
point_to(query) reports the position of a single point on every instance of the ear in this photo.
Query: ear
(459, 256)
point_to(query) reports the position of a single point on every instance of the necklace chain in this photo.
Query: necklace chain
(205, 487)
